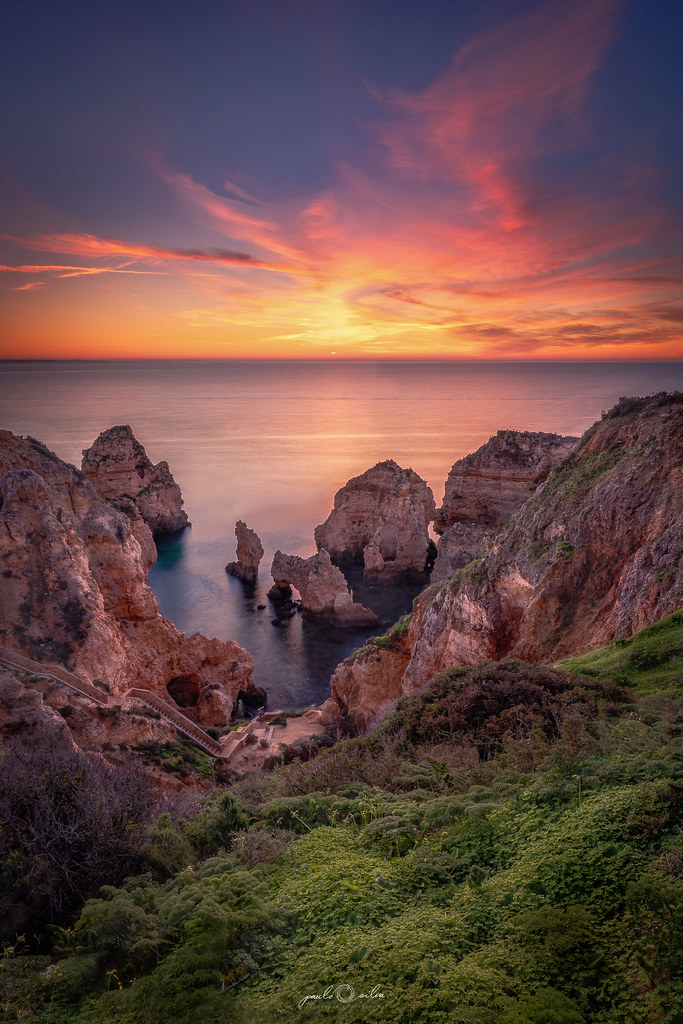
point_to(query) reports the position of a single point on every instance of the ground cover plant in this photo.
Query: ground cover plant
(506, 846)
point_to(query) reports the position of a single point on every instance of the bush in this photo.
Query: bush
(68, 823)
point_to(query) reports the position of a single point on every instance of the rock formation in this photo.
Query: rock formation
(324, 591)
(49, 714)
(367, 682)
(380, 520)
(74, 590)
(119, 468)
(459, 545)
(593, 556)
(490, 485)
(249, 554)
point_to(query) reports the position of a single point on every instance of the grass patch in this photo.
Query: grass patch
(650, 661)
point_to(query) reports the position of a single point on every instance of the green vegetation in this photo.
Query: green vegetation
(505, 848)
(650, 661)
(182, 758)
(635, 406)
(398, 630)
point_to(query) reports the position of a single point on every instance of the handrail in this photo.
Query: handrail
(13, 659)
(181, 721)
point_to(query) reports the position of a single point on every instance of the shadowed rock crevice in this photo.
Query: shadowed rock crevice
(184, 690)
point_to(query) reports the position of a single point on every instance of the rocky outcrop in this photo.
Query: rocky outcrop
(249, 554)
(119, 468)
(324, 591)
(367, 682)
(49, 714)
(490, 485)
(380, 520)
(593, 556)
(74, 590)
(23, 711)
(458, 546)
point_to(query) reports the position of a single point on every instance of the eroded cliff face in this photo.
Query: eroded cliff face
(119, 467)
(323, 588)
(459, 544)
(490, 485)
(368, 681)
(594, 556)
(74, 590)
(380, 520)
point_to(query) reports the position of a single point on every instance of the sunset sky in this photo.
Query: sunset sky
(496, 179)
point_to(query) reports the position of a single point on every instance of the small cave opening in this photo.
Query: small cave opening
(184, 690)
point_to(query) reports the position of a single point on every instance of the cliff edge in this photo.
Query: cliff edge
(596, 554)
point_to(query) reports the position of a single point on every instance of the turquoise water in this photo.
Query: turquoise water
(271, 442)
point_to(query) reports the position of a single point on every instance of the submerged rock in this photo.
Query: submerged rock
(324, 591)
(380, 520)
(118, 467)
(487, 487)
(249, 554)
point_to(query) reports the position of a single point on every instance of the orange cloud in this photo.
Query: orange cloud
(451, 240)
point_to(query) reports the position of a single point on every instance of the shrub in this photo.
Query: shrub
(68, 823)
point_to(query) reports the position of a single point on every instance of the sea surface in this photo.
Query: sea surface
(271, 443)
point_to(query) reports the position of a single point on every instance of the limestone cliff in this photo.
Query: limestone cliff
(119, 467)
(490, 485)
(74, 590)
(324, 591)
(380, 520)
(249, 554)
(368, 681)
(458, 545)
(594, 556)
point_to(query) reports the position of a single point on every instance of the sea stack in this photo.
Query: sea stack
(249, 554)
(119, 468)
(381, 521)
(324, 591)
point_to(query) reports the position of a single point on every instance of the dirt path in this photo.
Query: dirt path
(250, 757)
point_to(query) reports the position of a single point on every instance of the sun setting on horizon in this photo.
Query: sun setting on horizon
(504, 192)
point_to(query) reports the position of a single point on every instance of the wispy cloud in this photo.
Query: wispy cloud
(462, 232)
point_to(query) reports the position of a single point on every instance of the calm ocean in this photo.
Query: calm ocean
(271, 442)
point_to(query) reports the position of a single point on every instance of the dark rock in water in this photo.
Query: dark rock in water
(278, 594)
